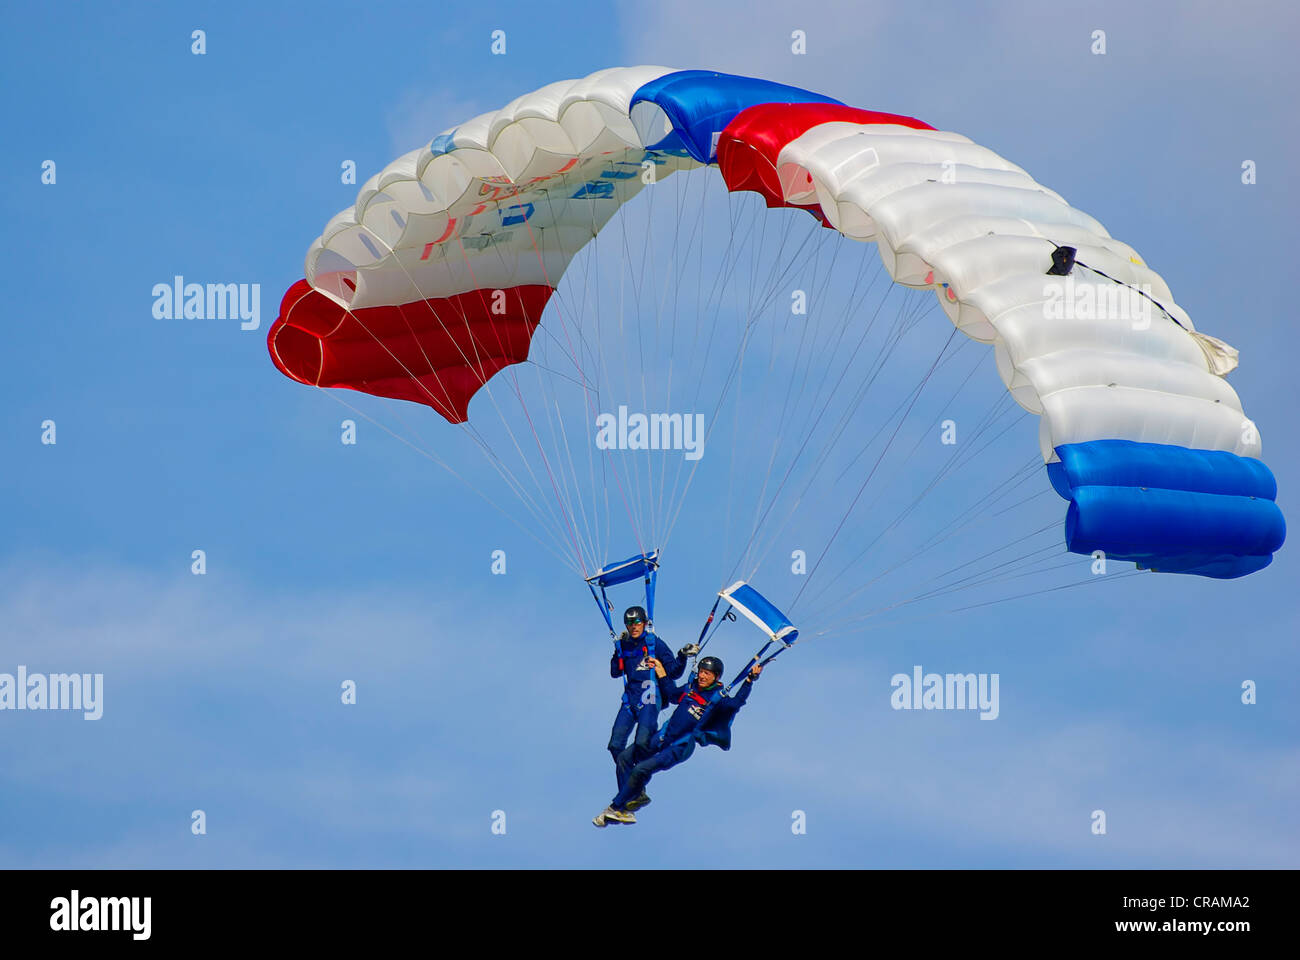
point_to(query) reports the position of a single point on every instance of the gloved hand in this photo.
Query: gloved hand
(690, 650)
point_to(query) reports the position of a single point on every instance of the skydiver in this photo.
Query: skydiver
(634, 652)
(703, 716)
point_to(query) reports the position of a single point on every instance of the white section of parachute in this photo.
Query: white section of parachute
(949, 214)
(494, 207)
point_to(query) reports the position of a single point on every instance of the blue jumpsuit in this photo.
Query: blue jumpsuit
(680, 734)
(639, 686)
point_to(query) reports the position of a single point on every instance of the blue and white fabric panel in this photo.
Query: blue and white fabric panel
(633, 568)
(761, 612)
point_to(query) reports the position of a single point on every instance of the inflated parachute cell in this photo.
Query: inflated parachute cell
(436, 351)
(437, 277)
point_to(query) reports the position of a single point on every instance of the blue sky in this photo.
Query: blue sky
(369, 563)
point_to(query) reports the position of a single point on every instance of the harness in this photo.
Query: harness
(627, 681)
(694, 696)
(705, 702)
(645, 652)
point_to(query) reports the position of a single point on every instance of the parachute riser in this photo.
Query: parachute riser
(756, 660)
(705, 636)
(602, 601)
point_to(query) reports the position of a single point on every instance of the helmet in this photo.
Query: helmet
(713, 665)
(635, 615)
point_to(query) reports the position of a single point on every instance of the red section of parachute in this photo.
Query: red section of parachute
(437, 352)
(748, 147)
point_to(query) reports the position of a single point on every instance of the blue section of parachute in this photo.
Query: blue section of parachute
(700, 103)
(1124, 463)
(1167, 508)
(746, 598)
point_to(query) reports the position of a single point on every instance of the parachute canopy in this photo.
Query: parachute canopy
(437, 278)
